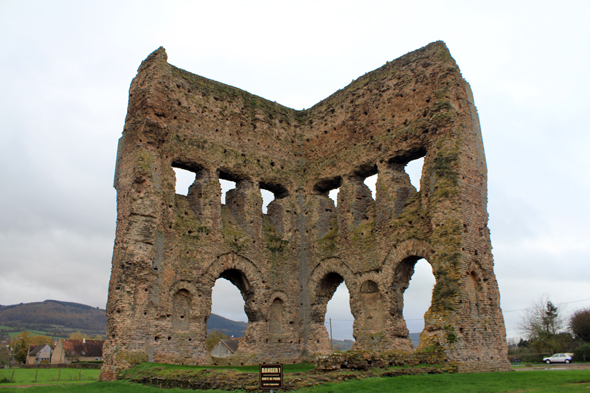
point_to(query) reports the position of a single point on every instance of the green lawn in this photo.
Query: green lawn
(95, 387)
(522, 381)
(11, 332)
(23, 376)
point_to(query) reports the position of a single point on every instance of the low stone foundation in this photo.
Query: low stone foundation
(335, 368)
(361, 360)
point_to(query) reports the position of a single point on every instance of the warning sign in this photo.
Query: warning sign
(271, 376)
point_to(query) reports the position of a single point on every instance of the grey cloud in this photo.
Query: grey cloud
(67, 67)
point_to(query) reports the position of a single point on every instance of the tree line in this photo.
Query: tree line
(18, 347)
(547, 331)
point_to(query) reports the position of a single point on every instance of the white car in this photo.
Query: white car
(558, 358)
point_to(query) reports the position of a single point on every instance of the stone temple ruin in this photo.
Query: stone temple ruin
(170, 249)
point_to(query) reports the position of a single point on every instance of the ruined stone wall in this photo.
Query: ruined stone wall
(170, 249)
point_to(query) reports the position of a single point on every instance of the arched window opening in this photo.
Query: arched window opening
(226, 185)
(418, 298)
(271, 191)
(410, 163)
(371, 182)
(333, 195)
(329, 188)
(414, 170)
(339, 314)
(267, 197)
(184, 179)
(228, 303)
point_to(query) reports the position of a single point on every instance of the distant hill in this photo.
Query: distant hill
(345, 345)
(226, 326)
(56, 318)
(415, 337)
(59, 319)
(342, 345)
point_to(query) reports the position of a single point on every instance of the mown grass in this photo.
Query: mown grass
(22, 376)
(95, 387)
(523, 381)
(13, 333)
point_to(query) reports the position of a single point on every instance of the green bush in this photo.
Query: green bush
(582, 353)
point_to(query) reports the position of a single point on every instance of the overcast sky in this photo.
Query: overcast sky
(66, 67)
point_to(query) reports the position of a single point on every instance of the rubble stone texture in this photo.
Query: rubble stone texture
(170, 249)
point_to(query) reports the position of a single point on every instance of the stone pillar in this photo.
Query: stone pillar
(204, 196)
(393, 190)
(245, 203)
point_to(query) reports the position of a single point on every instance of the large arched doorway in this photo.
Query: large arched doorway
(332, 315)
(339, 319)
(417, 299)
(232, 311)
(228, 303)
(408, 307)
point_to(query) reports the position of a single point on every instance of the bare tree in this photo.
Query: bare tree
(541, 318)
(541, 323)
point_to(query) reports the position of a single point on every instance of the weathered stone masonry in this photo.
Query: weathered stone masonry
(170, 249)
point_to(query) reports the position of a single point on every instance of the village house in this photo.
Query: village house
(72, 351)
(39, 354)
(225, 347)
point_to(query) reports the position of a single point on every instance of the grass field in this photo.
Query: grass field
(523, 381)
(11, 332)
(22, 376)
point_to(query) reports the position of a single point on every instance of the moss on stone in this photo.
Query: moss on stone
(444, 292)
(185, 221)
(441, 105)
(273, 239)
(364, 240)
(444, 166)
(143, 162)
(251, 102)
(233, 234)
(328, 244)
(451, 334)
(375, 341)
(132, 358)
(380, 359)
